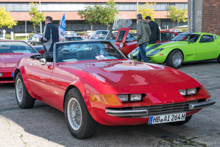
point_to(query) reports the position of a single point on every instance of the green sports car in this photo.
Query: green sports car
(185, 47)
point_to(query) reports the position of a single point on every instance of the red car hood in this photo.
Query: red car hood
(132, 73)
(10, 59)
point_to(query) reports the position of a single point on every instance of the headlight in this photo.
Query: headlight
(183, 92)
(121, 45)
(155, 51)
(135, 97)
(130, 97)
(191, 91)
(123, 97)
(1, 74)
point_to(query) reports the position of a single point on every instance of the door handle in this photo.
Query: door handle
(31, 64)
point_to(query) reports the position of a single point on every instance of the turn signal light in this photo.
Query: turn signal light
(108, 99)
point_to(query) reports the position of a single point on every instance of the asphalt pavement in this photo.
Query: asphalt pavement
(44, 126)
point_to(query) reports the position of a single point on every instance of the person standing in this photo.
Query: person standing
(154, 30)
(50, 35)
(143, 35)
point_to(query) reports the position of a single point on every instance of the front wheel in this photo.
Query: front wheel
(23, 98)
(78, 118)
(175, 59)
(181, 122)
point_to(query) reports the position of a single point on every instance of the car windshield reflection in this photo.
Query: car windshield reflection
(15, 47)
(79, 51)
(100, 34)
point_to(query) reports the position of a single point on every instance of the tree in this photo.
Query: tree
(107, 16)
(5, 19)
(90, 14)
(177, 15)
(99, 14)
(147, 10)
(36, 17)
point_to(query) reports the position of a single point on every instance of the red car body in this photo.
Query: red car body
(8, 61)
(127, 46)
(159, 86)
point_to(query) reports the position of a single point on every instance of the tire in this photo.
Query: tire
(218, 59)
(175, 59)
(80, 123)
(181, 122)
(23, 98)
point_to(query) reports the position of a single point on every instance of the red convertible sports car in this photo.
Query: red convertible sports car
(93, 83)
(127, 44)
(10, 52)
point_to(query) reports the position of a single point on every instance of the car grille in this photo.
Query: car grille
(167, 108)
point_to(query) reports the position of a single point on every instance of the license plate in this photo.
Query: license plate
(167, 118)
(1, 74)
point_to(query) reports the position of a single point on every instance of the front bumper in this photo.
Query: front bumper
(147, 111)
(201, 105)
(127, 113)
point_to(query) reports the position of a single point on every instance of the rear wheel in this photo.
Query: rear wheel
(181, 122)
(78, 118)
(23, 98)
(175, 59)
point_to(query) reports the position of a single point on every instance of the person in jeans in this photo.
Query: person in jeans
(155, 31)
(143, 35)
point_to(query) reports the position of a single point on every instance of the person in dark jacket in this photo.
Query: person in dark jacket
(155, 31)
(143, 35)
(50, 35)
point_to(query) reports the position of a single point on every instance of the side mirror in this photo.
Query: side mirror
(41, 51)
(43, 61)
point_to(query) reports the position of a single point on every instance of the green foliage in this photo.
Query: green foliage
(108, 13)
(99, 14)
(36, 17)
(177, 15)
(147, 10)
(89, 14)
(5, 19)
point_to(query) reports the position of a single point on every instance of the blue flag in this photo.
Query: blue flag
(62, 28)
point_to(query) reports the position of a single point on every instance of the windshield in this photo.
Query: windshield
(79, 51)
(15, 47)
(99, 35)
(186, 37)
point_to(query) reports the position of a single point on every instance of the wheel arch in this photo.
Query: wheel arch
(79, 86)
(173, 50)
(21, 70)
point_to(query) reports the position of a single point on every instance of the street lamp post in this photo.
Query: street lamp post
(40, 22)
(137, 9)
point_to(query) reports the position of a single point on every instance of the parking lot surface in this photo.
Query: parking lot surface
(43, 125)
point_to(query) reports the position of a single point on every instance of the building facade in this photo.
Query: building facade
(19, 10)
(204, 15)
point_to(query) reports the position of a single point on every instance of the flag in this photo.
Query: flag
(62, 28)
